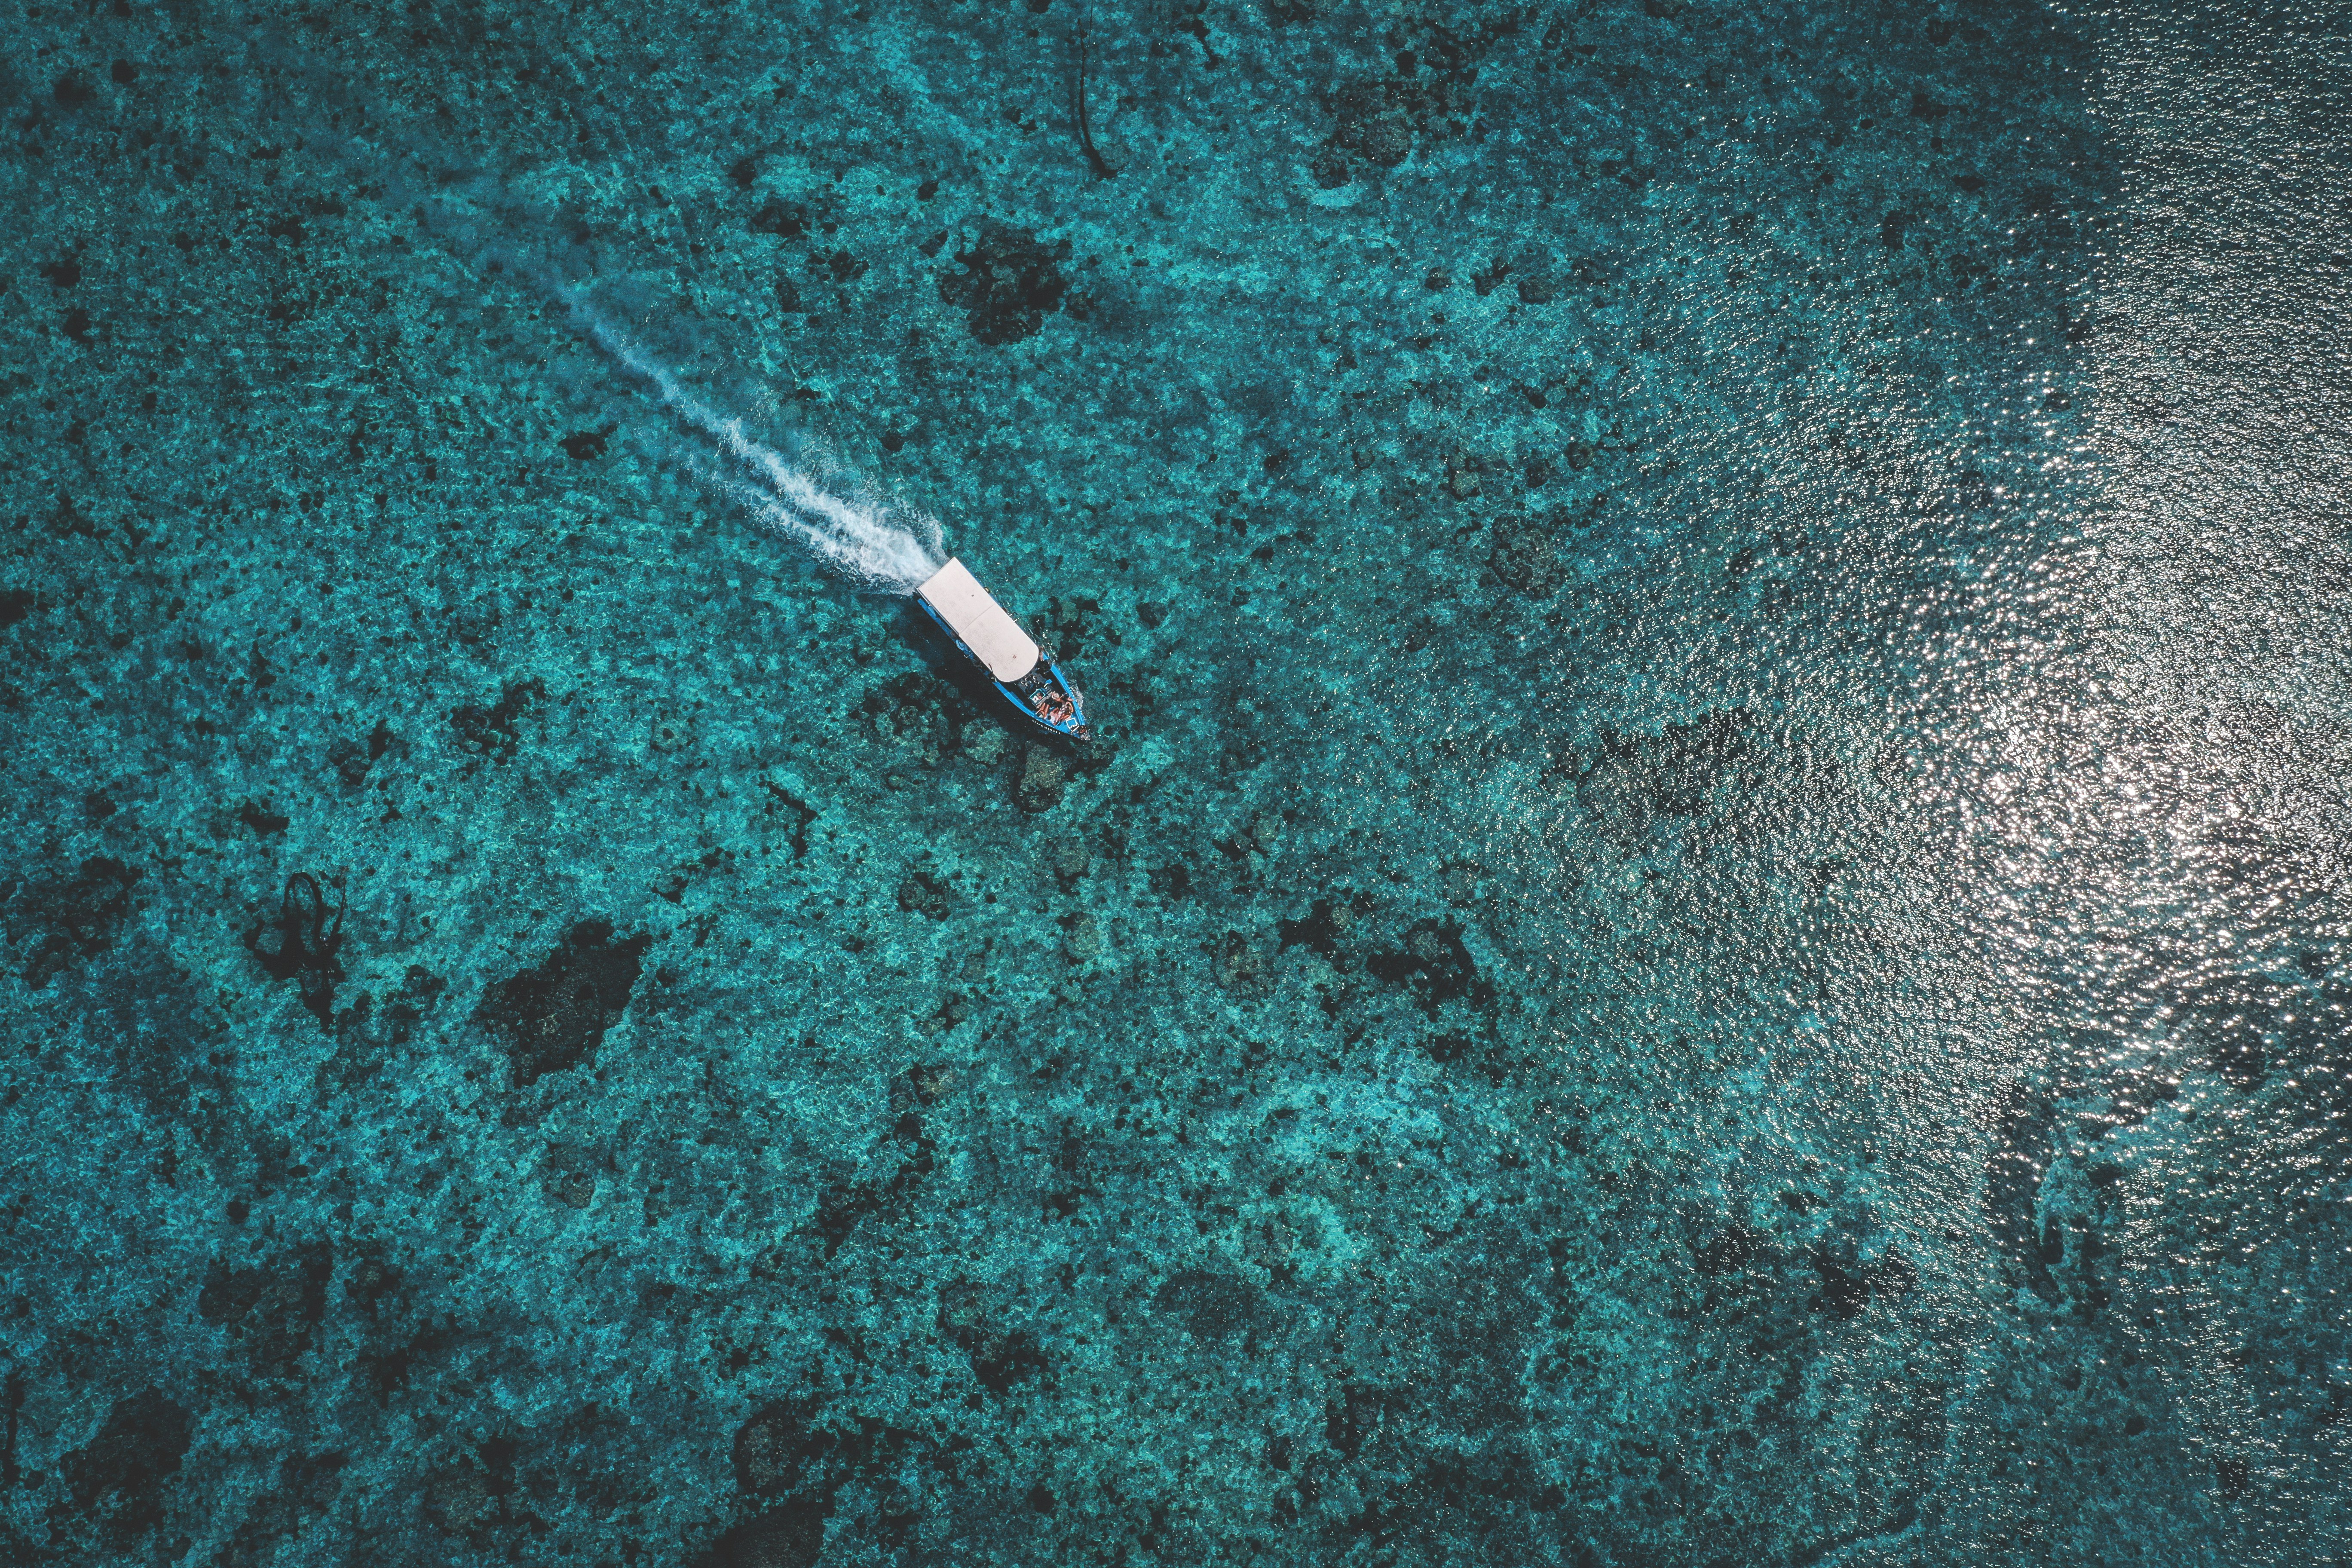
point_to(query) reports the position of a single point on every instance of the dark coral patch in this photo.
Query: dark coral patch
(777, 1450)
(1435, 965)
(1522, 558)
(271, 1308)
(119, 1478)
(491, 730)
(583, 445)
(304, 945)
(1001, 1361)
(77, 919)
(1007, 282)
(791, 1536)
(1001, 1357)
(1212, 1305)
(553, 1016)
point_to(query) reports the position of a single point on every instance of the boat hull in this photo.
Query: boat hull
(1025, 717)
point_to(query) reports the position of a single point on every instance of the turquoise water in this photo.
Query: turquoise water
(1705, 925)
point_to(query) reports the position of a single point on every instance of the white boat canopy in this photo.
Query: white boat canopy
(994, 637)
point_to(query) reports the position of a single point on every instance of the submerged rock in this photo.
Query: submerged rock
(1043, 776)
(1522, 558)
(553, 1016)
(774, 1449)
(77, 918)
(272, 1309)
(792, 1536)
(1006, 283)
(119, 1476)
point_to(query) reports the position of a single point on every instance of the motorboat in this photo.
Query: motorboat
(1003, 655)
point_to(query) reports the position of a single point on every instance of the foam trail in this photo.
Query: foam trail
(869, 543)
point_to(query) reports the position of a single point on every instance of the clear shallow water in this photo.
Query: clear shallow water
(1706, 928)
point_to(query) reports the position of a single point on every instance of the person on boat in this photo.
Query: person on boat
(1054, 706)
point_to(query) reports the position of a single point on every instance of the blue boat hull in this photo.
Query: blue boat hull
(1027, 718)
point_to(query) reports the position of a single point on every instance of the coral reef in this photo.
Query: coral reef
(1706, 926)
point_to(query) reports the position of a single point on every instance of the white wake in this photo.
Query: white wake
(874, 544)
(487, 227)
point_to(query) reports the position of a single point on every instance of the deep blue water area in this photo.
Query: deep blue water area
(1707, 925)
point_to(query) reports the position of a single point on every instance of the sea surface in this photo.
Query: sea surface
(1706, 926)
